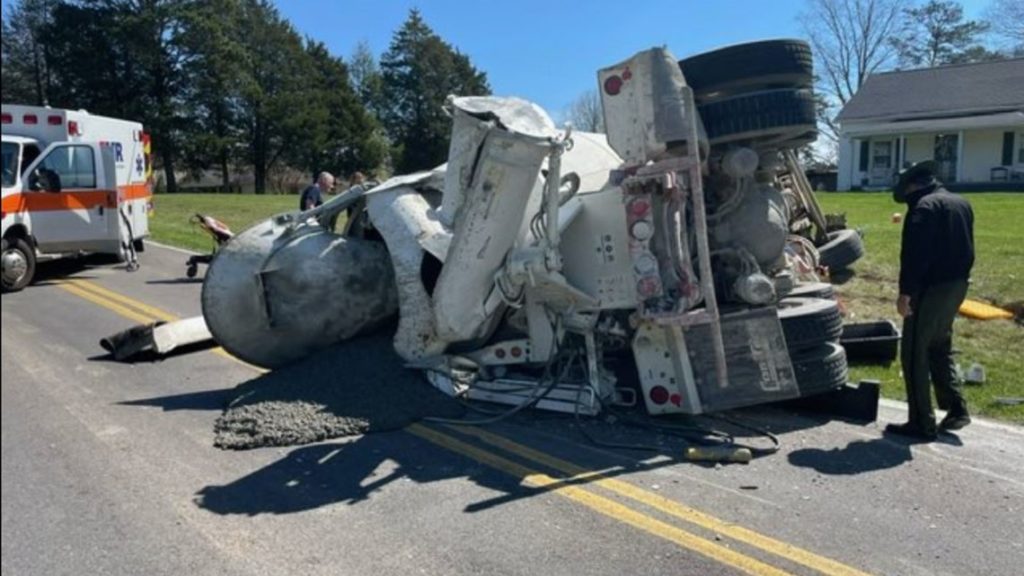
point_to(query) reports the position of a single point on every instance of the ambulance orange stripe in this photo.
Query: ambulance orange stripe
(135, 191)
(73, 199)
(66, 200)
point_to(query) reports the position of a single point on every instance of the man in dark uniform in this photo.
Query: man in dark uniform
(313, 195)
(935, 263)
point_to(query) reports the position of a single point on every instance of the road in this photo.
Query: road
(110, 469)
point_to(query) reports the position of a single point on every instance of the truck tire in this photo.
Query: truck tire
(751, 66)
(844, 247)
(821, 369)
(19, 264)
(139, 244)
(813, 290)
(786, 115)
(809, 322)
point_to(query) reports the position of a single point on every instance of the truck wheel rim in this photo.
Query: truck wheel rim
(15, 266)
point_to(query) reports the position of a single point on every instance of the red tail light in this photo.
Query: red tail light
(54, 120)
(30, 119)
(6, 118)
(659, 395)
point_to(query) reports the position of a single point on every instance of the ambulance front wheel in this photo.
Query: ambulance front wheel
(139, 244)
(19, 264)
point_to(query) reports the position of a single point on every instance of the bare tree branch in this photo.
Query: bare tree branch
(1006, 17)
(586, 113)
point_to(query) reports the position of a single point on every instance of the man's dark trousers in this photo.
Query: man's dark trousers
(926, 349)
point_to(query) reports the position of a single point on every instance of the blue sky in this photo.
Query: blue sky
(549, 51)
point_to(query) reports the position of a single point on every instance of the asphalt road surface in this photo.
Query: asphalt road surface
(110, 469)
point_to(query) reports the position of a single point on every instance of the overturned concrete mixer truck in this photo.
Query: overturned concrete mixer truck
(670, 263)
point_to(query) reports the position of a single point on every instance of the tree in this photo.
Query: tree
(26, 75)
(214, 78)
(1006, 18)
(340, 132)
(850, 40)
(271, 102)
(365, 77)
(419, 71)
(586, 113)
(120, 58)
(937, 34)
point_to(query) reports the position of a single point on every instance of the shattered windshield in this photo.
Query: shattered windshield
(10, 153)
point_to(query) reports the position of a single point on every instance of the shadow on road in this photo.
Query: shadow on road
(151, 357)
(176, 281)
(862, 456)
(856, 458)
(346, 472)
(205, 400)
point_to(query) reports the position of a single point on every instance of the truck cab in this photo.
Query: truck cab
(73, 183)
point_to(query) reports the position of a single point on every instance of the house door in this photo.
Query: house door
(946, 146)
(881, 162)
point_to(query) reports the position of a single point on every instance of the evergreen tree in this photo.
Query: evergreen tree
(213, 52)
(275, 74)
(419, 71)
(364, 74)
(339, 130)
(26, 76)
(937, 34)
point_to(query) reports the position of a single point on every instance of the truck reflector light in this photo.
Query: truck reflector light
(640, 207)
(30, 119)
(659, 395)
(6, 118)
(613, 85)
(73, 129)
(54, 120)
(648, 287)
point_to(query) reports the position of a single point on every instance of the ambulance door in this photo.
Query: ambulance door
(64, 193)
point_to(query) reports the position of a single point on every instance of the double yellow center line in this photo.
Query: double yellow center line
(123, 305)
(570, 486)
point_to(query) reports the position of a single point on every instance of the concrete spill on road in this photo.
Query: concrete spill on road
(353, 388)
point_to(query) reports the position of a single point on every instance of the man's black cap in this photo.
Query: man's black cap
(921, 171)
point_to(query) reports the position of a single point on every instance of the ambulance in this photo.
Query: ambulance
(73, 183)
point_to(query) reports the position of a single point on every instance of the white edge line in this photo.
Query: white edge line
(171, 248)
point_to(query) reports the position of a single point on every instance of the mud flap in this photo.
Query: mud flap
(760, 369)
(160, 338)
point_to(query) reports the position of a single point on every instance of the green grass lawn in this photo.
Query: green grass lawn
(869, 294)
(170, 222)
(998, 278)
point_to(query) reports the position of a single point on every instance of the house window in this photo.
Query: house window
(881, 156)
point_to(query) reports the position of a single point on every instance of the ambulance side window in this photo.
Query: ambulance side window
(28, 156)
(74, 167)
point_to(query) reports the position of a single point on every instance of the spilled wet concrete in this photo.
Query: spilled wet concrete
(353, 388)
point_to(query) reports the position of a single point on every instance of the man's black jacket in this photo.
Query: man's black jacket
(938, 240)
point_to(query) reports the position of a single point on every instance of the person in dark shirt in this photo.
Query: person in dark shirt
(313, 195)
(936, 257)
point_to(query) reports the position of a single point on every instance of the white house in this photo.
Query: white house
(969, 118)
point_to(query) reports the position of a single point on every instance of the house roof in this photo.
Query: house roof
(947, 91)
